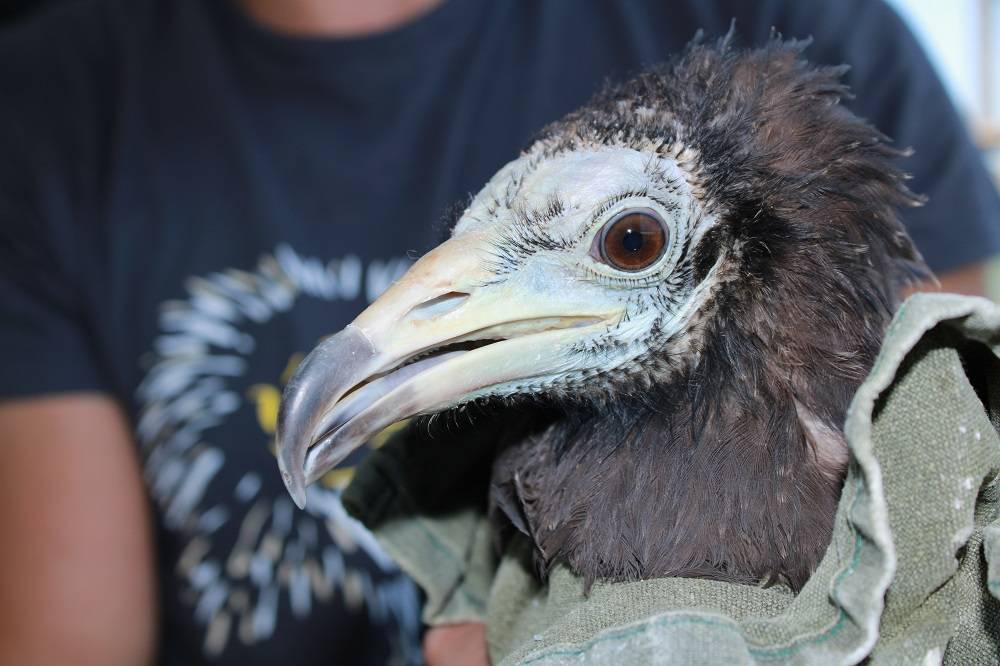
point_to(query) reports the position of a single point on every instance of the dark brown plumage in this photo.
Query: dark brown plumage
(727, 460)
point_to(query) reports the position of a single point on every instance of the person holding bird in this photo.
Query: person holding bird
(195, 193)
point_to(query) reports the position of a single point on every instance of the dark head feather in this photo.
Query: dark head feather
(730, 466)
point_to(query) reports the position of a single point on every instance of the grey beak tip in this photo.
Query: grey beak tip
(295, 488)
(294, 483)
(334, 366)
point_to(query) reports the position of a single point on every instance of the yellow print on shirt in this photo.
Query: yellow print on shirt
(266, 399)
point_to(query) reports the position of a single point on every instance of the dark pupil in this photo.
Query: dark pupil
(632, 240)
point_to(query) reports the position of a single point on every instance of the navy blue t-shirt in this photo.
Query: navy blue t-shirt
(189, 202)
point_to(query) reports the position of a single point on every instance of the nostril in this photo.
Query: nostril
(438, 306)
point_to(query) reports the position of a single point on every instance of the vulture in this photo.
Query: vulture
(689, 277)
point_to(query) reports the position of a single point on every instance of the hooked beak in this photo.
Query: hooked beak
(443, 335)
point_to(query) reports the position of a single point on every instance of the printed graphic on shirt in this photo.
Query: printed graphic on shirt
(247, 553)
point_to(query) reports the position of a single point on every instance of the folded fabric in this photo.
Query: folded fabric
(911, 576)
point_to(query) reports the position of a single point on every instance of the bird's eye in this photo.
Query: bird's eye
(633, 240)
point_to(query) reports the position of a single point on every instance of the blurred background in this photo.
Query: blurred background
(961, 36)
(234, 590)
(963, 39)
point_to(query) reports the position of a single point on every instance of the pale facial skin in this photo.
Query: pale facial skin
(531, 270)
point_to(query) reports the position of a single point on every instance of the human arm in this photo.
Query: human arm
(969, 280)
(76, 565)
(462, 644)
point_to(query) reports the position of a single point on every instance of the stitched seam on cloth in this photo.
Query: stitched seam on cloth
(476, 601)
(774, 652)
(480, 604)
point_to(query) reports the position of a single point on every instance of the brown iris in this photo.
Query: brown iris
(633, 240)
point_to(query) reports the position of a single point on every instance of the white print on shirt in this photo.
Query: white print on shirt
(196, 380)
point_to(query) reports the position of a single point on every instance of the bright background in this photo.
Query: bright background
(963, 40)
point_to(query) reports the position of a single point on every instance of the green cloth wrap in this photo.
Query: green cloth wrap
(912, 575)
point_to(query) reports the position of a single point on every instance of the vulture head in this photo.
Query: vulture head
(693, 273)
